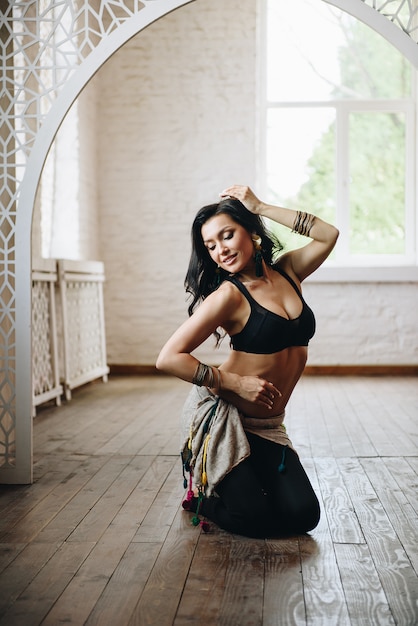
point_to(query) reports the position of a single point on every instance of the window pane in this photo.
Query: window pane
(301, 159)
(377, 183)
(318, 52)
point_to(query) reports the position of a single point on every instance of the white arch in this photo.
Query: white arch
(107, 47)
(22, 473)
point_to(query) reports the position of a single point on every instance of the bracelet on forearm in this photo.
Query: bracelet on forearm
(205, 376)
(200, 374)
(303, 223)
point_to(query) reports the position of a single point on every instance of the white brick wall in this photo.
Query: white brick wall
(175, 117)
(364, 323)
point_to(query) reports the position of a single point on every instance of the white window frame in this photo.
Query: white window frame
(373, 268)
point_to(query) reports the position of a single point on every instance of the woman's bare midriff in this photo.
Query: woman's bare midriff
(283, 369)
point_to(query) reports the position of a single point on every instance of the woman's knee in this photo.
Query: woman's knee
(311, 515)
(304, 516)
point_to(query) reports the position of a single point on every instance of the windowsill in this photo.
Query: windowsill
(401, 274)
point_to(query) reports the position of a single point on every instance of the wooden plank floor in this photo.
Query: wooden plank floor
(100, 537)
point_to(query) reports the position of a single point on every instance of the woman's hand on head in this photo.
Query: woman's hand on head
(245, 195)
(258, 391)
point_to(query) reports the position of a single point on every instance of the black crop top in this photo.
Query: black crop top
(266, 332)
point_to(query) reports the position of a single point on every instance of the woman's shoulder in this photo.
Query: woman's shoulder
(227, 297)
(229, 291)
(223, 305)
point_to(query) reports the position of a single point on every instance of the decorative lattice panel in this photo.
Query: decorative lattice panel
(45, 375)
(43, 44)
(41, 338)
(84, 347)
(84, 326)
(42, 369)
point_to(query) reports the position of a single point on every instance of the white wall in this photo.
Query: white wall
(172, 120)
(364, 323)
(177, 125)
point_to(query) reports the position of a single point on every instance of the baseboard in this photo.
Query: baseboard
(361, 370)
(310, 370)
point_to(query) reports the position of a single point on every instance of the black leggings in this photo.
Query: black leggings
(257, 500)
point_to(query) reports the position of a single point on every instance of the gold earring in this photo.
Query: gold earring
(257, 241)
(258, 255)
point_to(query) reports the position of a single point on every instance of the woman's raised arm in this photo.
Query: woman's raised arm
(323, 236)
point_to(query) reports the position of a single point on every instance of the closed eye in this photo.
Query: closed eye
(227, 234)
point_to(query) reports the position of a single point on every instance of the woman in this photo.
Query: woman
(256, 484)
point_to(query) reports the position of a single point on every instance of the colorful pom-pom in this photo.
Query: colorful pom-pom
(205, 527)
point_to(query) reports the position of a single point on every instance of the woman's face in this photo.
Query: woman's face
(229, 244)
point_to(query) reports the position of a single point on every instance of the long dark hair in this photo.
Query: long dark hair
(202, 277)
